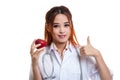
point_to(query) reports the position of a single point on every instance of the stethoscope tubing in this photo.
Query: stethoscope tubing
(48, 76)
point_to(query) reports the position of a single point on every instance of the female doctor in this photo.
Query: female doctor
(63, 58)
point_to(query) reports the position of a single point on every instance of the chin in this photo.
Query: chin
(62, 42)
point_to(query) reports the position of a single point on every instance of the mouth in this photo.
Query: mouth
(62, 36)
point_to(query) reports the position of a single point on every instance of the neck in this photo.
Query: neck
(60, 46)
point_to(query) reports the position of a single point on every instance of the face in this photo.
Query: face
(61, 29)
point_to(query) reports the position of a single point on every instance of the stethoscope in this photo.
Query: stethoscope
(50, 76)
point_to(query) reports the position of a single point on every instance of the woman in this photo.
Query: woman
(63, 58)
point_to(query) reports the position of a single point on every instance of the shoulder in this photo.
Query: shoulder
(44, 51)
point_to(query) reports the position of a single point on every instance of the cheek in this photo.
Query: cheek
(69, 31)
(54, 33)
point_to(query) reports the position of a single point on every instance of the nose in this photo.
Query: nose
(62, 29)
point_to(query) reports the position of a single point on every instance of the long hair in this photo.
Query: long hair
(50, 16)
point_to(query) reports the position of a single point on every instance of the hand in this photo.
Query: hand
(88, 50)
(35, 53)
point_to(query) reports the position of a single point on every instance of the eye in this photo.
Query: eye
(67, 25)
(56, 25)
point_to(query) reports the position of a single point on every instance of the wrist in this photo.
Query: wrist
(34, 65)
(97, 54)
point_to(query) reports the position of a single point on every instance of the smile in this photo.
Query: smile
(62, 36)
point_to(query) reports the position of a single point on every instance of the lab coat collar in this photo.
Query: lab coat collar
(69, 46)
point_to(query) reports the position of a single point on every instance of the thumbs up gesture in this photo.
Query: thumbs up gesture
(88, 50)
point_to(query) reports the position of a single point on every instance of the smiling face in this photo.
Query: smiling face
(61, 29)
(59, 26)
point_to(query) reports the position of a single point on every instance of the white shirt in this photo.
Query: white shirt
(71, 67)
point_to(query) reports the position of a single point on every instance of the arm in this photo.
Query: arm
(36, 73)
(34, 56)
(102, 67)
(103, 70)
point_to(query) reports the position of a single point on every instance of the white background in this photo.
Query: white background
(22, 21)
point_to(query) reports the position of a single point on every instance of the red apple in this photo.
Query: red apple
(41, 42)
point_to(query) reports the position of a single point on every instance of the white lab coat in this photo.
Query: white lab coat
(70, 68)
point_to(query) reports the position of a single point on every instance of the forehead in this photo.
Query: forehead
(61, 17)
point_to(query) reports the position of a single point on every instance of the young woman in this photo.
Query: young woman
(63, 58)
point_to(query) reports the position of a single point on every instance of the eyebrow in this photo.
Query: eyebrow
(64, 23)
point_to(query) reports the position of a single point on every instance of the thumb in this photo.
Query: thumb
(88, 41)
